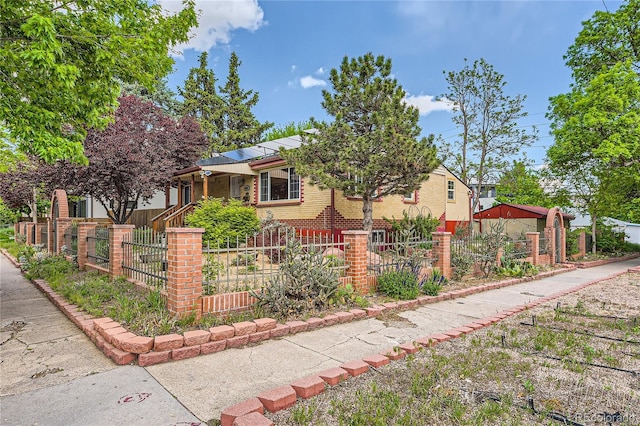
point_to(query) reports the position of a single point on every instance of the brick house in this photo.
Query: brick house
(260, 177)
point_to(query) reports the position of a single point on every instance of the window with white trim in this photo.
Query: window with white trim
(451, 190)
(279, 184)
(410, 197)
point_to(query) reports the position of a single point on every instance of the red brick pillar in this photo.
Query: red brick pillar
(16, 228)
(551, 241)
(533, 244)
(30, 233)
(563, 245)
(84, 228)
(62, 224)
(39, 228)
(184, 270)
(355, 255)
(582, 244)
(116, 236)
(442, 252)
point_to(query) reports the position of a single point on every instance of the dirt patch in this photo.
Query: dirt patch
(575, 360)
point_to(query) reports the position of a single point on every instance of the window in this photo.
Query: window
(186, 193)
(451, 190)
(280, 184)
(410, 197)
(378, 236)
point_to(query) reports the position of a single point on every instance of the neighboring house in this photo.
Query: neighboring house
(487, 195)
(258, 176)
(518, 218)
(631, 230)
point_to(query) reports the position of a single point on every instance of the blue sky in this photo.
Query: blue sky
(288, 47)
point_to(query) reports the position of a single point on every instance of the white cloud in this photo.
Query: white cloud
(293, 68)
(320, 71)
(308, 82)
(217, 20)
(426, 104)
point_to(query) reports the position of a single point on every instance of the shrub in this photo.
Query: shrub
(40, 265)
(433, 283)
(302, 286)
(420, 225)
(400, 283)
(274, 234)
(224, 221)
(462, 262)
(516, 268)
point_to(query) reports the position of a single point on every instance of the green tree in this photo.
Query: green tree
(241, 129)
(286, 130)
(373, 147)
(488, 121)
(202, 102)
(61, 62)
(160, 95)
(596, 128)
(605, 40)
(521, 185)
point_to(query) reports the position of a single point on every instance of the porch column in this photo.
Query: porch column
(179, 192)
(167, 195)
(193, 188)
(205, 186)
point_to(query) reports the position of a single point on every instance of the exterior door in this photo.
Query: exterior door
(235, 187)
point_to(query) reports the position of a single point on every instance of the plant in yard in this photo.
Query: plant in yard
(303, 284)
(225, 222)
(494, 239)
(516, 268)
(399, 283)
(432, 283)
(462, 262)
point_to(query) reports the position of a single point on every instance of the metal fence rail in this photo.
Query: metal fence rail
(392, 249)
(71, 239)
(249, 263)
(145, 257)
(517, 248)
(44, 235)
(98, 246)
(544, 245)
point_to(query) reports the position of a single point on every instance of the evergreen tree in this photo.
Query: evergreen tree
(373, 147)
(240, 128)
(202, 102)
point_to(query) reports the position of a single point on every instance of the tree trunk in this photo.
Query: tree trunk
(593, 233)
(367, 214)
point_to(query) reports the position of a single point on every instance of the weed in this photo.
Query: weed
(304, 414)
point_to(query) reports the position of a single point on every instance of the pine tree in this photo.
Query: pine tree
(240, 128)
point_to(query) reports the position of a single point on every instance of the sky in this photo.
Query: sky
(287, 49)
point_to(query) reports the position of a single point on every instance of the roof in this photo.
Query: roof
(505, 210)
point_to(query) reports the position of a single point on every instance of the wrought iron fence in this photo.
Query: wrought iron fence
(544, 245)
(71, 240)
(249, 263)
(392, 249)
(44, 235)
(145, 257)
(516, 248)
(98, 246)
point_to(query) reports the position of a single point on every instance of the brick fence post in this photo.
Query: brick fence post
(582, 244)
(355, 255)
(551, 241)
(39, 228)
(117, 234)
(30, 234)
(533, 244)
(62, 224)
(184, 271)
(84, 228)
(442, 252)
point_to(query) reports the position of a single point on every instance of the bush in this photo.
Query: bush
(420, 226)
(462, 262)
(516, 268)
(224, 221)
(400, 283)
(40, 265)
(303, 285)
(432, 284)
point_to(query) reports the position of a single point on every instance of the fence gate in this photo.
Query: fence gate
(54, 232)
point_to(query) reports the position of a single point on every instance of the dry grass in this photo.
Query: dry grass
(580, 362)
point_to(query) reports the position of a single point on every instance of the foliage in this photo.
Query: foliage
(420, 225)
(372, 148)
(41, 265)
(491, 242)
(224, 221)
(7, 215)
(521, 185)
(433, 283)
(225, 117)
(161, 96)
(488, 124)
(303, 284)
(399, 283)
(61, 62)
(289, 129)
(274, 234)
(346, 295)
(516, 268)
(462, 262)
(610, 240)
(596, 153)
(572, 240)
(135, 156)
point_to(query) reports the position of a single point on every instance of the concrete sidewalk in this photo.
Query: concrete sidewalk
(52, 374)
